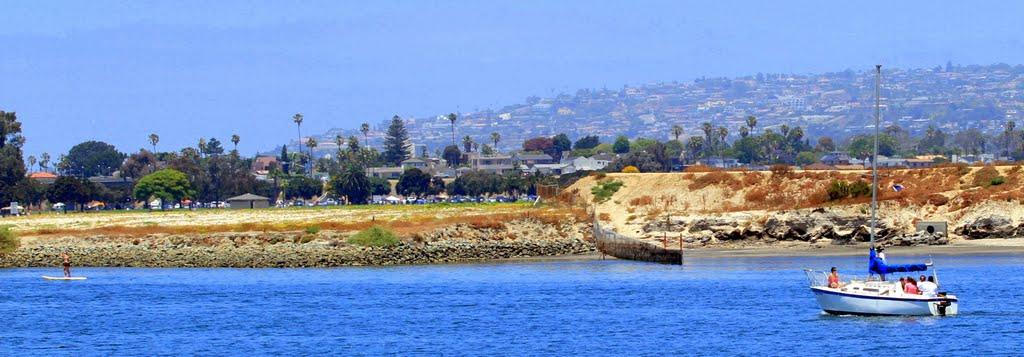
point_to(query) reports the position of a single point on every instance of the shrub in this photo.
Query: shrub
(9, 240)
(598, 175)
(375, 236)
(314, 229)
(937, 199)
(604, 217)
(713, 178)
(605, 189)
(998, 180)
(641, 201)
(630, 170)
(838, 190)
(780, 170)
(985, 176)
(699, 168)
(860, 188)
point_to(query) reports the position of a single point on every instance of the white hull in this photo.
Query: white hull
(838, 302)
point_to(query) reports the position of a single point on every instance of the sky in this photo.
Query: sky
(117, 71)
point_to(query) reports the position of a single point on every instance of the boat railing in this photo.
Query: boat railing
(816, 278)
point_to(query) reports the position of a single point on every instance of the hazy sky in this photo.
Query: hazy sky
(117, 71)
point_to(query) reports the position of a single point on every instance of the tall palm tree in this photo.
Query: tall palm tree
(495, 138)
(235, 139)
(44, 161)
(744, 131)
(751, 122)
(31, 162)
(677, 131)
(707, 128)
(723, 133)
(1008, 136)
(153, 139)
(202, 147)
(311, 143)
(365, 128)
(452, 118)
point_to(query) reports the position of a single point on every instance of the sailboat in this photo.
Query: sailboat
(876, 296)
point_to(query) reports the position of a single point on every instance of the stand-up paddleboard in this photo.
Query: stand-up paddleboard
(63, 277)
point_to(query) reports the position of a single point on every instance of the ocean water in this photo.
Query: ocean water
(721, 306)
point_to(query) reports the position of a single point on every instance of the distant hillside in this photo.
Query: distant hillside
(837, 104)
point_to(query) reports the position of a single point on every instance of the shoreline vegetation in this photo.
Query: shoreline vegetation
(301, 237)
(715, 213)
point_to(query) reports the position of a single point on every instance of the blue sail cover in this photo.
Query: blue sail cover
(877, 266)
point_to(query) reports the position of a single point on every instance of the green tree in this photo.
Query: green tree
(139, 164)
(452, 118)
(365, 129)
(352, 184)
(71, 190)
(396, 146)
(751, 123)
(806, 158)
(467, 143)
(621, 145)
(452, 155)
(213, 147)
(303, 187)
(587, 142)
(168, 185)
(92, 158)
(561, 144)
(825, 144)
(413, 182)
(380, 186)
(861, 146)
(495, 138)
(677, 131)
(153, 140)
(235, 139)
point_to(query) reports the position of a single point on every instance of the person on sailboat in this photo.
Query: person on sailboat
(928, 287)
(911, 287)
(833, 279)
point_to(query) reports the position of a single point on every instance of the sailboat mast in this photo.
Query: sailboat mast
(874, 155)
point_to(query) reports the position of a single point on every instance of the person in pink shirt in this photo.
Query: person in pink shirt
(911, 287)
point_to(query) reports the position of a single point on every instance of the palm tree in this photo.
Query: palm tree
(31, 162)
(365, 128)
(467, 143)
(677, 131)
(153, 139)
(235, 139)
(707, 128)
(202, 146)
(751, 122)
(744, 131)
(722, 134)
(495, 138)
(1010, 127)
(44, 161)
(311, 143)
(452, 117)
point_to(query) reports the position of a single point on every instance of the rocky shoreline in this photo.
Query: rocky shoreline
(457, 243)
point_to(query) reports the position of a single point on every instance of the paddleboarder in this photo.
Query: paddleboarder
(67, 263)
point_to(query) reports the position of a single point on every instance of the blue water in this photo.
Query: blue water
(712, 306)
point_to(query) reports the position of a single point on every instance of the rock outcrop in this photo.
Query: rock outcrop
(457, 243)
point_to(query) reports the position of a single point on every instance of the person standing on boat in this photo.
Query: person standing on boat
(66, 258)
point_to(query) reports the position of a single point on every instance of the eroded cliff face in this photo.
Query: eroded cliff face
(736, 208)
(453, 243)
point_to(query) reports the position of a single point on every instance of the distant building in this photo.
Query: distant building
(498, 164)
(836, 158)
(722, 163)
(248, 201)
(529, 160)
(390, 173)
